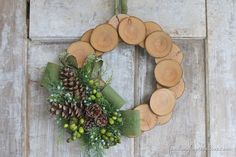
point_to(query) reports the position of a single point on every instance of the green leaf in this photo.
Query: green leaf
(50, 76)
(71, 61)
(131, 123)
(113, 97)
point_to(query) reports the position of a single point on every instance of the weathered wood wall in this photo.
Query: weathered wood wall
(203, 123)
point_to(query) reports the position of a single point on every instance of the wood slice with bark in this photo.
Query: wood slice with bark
(80, 50)
(163, 119)
(150, 28)
(116, 19)
(174, 54)
(86, 36)
(162, 101)
(158, 44)
(104, 38)
(132, 30)
(168, 73)
(147, 117)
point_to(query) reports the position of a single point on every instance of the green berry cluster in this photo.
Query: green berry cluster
(109, 138)
(76, 128)
(93, 90)
(115, 117)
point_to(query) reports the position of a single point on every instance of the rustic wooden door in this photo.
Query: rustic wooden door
(203, 123)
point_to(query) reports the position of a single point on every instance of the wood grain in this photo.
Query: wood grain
(12, 69)
(121, 65)
(78, 16)
(221, 58)
(185, 132)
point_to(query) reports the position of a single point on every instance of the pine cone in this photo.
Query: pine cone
(72, 84)
(89, 123)
(66, 110)
(93, 111)
(101, 121)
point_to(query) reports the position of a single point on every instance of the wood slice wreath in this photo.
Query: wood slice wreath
(88, 107)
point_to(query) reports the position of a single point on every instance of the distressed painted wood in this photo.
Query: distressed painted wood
(43, 131)
(184, 135)
(66, 20)
(12, 92)
(221, 59)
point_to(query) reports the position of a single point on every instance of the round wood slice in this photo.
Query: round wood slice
(174, 54)
(80, 50)
(158, 44)
(104, 38)
(86, 36)
(116, 19)
(163, 119)
(162, 101)
(132, 30)
(98, 53)
(168, 73)
(178, 89)
(150, 28)
(148, 118)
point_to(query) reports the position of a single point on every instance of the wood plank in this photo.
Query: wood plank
(12, 69)
(121, 65)
(221, 58)
(184, 134)
(68, 20)
(43, 130)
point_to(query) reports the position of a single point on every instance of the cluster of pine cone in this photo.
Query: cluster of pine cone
(93, 113)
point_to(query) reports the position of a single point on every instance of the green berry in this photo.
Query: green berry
(81, 121)
(114, 117)
(91, 82)
(96, 84)
(105, 137)
(99, 95)
(111, 121)
(78, 135)
(109, 134)
(73, 127)
(112, 139)
(94, 91)
(103, 131)
(115, 113)
(74, 138)
(119, 120)
(66, 125)
(81, 130)
(92, 97)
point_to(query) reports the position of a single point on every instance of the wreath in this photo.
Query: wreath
(88, 108)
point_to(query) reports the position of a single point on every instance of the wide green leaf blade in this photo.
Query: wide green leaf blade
(113, 97)
(50, 76)
(131, 126)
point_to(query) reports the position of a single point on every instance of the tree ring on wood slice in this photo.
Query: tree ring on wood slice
(132, 30)
(150, 28)
(164, 119)
(158, 44)
(116, 19)
(168, 73)
(86, 36)
(80, 50)
(104, 38)
(162, 101)
(147, 117)
(174, 54)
